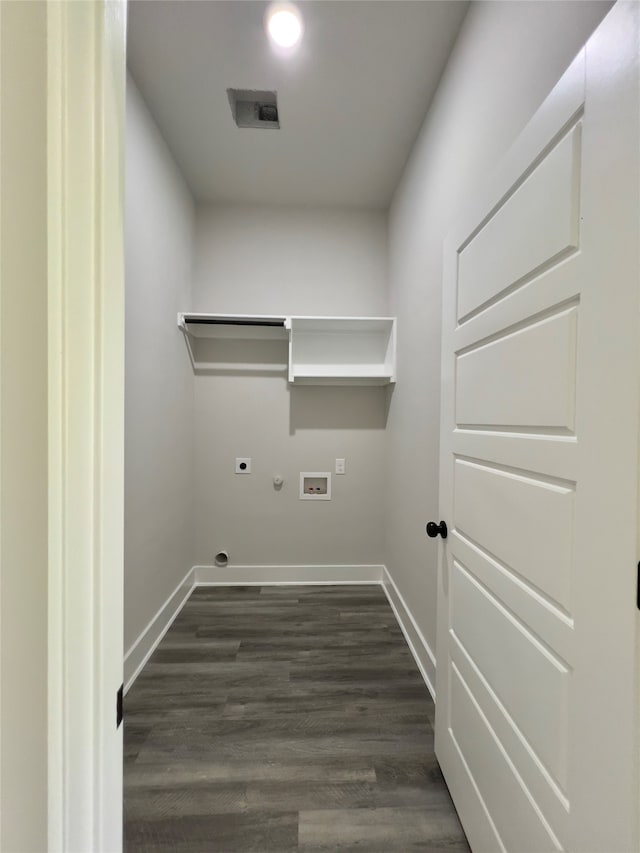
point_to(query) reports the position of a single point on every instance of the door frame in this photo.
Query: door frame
(85, 160)
(86, 96)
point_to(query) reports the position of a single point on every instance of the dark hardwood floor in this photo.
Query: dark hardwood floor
(284, 718)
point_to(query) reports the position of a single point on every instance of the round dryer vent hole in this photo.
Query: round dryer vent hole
(221, 559)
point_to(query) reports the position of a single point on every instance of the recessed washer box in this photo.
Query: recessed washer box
(315, 485)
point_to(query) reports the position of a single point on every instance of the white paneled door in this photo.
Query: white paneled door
(536, 657)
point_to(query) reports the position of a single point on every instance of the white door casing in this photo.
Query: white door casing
(86, 99)
(537, 623)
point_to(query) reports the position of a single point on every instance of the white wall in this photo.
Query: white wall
(23, 428)
(507, 59)
(159, 514)
(312, 261)
(289, 261)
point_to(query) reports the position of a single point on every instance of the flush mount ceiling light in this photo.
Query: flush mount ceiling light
(284, 24)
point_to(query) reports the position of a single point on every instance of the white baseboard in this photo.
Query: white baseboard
(142, 649)
(418, 646)
(257, 575)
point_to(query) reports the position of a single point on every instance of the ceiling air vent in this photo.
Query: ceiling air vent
(252, 108)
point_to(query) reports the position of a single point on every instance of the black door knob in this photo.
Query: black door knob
(434, 529)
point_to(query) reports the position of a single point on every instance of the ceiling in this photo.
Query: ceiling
(351, 99)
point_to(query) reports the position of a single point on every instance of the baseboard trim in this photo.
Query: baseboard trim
(274, 575)
(424, 657)
(142, 649)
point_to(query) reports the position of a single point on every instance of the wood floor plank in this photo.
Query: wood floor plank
(229, 833)
(184, 772)
(388, 830)
(284, 718)
(186, 800)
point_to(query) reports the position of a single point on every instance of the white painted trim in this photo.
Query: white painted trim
(85, 163)
(272, 575)
(1, 575)
(141, 650)
(420, 649)
(147, 642)
(57, 735)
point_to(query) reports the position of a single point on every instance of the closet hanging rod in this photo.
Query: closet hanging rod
(230, 321)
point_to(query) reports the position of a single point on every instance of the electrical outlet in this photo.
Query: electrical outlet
(340, 466)
(243, 465)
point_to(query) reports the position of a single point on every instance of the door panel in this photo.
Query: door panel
(495, 507)
(544, 791)
(518, 823)
(537, 626)
(498, 643)
(539, 221)
(525, 602)
(525, 378)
